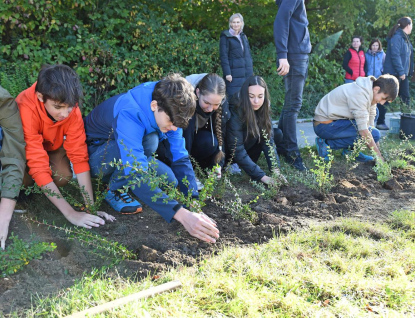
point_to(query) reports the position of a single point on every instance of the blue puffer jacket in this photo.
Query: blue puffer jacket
(374, 63)
(132, 119)
(399, 58)
(235, 61)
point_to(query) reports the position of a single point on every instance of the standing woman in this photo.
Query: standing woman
(399, 60)
(375, 58)
(354, 60)
(250, 121)
(235, 55)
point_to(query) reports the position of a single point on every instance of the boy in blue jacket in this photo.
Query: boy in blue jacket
(129, 127)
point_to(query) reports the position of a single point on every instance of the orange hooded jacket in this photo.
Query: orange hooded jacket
(42, 134)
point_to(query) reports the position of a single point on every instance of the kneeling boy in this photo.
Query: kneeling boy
(127, 128)
(55, 137)
(348, 112)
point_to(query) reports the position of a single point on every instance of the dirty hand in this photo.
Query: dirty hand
(106, 216)
(284, 67)
(198, 225)
(228, 78)
(280, 177)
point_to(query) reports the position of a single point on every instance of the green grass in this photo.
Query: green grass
(348, 269)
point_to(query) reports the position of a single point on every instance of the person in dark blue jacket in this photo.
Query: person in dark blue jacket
(235, 55)
(375, 57)
(292, 41)
(250, 121)
(399, 56)
(127, 128)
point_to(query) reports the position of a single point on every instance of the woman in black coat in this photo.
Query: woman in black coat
(235, 55)
(247, 128)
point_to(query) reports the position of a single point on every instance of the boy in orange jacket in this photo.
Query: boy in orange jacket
(55, 136)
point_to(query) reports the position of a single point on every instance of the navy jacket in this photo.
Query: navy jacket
(237, 143)
(291, 35)
(235, 61)
(131, 118)
(399, 56)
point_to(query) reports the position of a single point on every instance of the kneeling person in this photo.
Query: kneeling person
(348, 113)
(129, 127)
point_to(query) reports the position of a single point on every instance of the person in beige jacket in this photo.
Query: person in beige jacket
(348, 113)
(12, 158)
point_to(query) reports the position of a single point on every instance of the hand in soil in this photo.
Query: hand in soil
(84, 219)
(198, 225)
(106, 216)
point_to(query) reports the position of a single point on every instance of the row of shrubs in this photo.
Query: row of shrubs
(115, 45)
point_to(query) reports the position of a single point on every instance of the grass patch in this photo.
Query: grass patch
(344, 270)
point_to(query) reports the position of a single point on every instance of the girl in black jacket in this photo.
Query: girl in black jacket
(235, 55)
(250, 121)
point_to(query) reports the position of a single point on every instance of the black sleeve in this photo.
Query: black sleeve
(346, 59)
(235, 144)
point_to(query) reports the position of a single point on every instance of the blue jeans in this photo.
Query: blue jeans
(404, 90)
(342, 134)
(101, 155)
(294, 84)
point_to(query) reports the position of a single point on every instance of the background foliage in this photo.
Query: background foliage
(115, 45)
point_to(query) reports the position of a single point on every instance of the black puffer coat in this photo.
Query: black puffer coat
(237, 144)
(235, 61)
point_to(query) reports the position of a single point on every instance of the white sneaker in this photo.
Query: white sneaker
(199, 184)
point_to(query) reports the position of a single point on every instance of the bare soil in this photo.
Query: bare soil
(159, 245)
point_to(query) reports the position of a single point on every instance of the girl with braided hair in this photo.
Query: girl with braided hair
(205, 133)
(247, 128)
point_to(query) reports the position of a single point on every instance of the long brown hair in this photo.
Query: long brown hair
(402, 23)
(259, 120)
(214, 84)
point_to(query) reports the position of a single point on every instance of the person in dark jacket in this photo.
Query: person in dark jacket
(12, 158)
(205, 133)
(235, 55)
(375, 57)
(354, 61)
(292, 41)
(128, 128)
(250, 127)
(399, 58)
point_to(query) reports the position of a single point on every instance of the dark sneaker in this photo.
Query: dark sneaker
(295, 160)
(322, 148)
(361, 157)
(382, 127)
(123, 202)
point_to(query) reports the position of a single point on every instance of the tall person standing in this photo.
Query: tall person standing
(399, 56)
(292, 41)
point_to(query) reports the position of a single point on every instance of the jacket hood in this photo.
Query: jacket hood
(29, 99)
(366, 83)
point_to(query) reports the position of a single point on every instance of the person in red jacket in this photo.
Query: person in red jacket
(55, 136)
(354, 61)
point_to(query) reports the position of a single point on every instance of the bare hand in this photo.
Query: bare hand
(4, 230)
(284, 67)
(83, 219)
(6, 211)
(106, 216)
(218, 172)
(266, 179)
(198, 225)
(402, 77)
(228, 78)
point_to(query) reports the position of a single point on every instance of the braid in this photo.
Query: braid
(218, 131)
